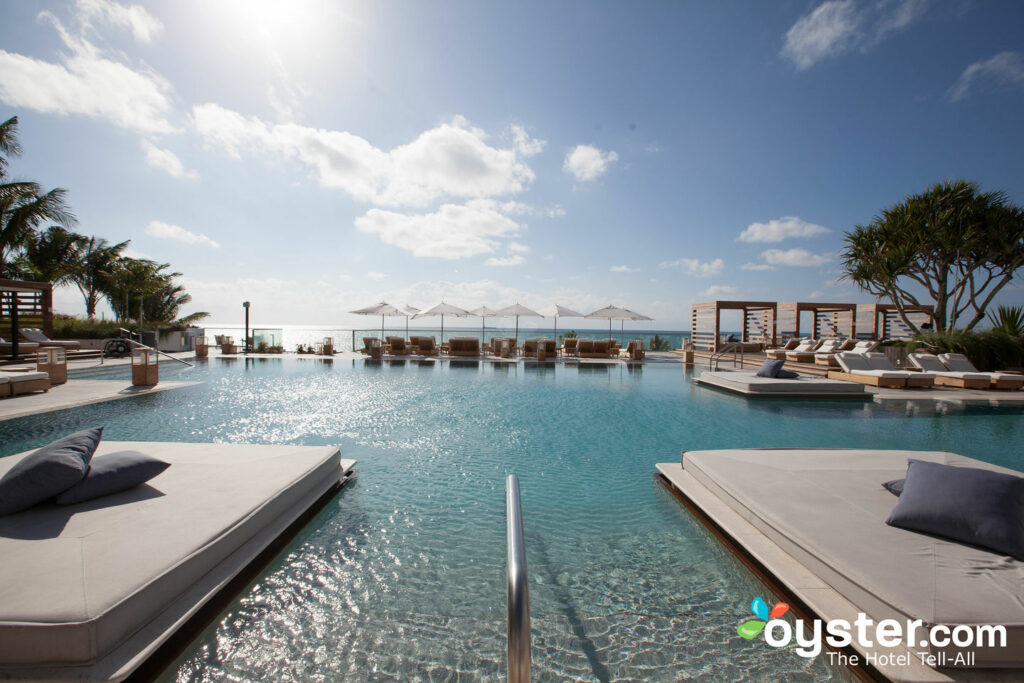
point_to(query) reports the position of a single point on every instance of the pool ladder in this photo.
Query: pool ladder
(518, 590)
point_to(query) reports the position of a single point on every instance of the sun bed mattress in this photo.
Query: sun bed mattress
(748, 383)
(77, 581)
(827, 509)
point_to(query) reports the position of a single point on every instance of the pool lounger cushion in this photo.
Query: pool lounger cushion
(90, 590)
(113, 473)
(748, 383)
(964, 504)
(826, 509)
(49, 471)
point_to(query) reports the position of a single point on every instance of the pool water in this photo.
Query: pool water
(402, 576)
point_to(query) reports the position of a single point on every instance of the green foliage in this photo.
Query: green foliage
(571, 334)
(70, 327)
(954, 242)
(989, 350)
(1008, 319)
(657, 343)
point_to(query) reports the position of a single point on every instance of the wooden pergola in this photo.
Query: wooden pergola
(882, 321)
(827, 320)
(706, 322)
(25, 304)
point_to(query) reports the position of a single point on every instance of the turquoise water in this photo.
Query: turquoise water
(402, 576)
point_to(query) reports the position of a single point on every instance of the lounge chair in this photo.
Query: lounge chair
(779, 353)
(595, 348)
(828, 358)
(805, 352)
(367, 345)
(424, 346)
(570, 346)
(635, 350)
(34, 334)
(531, 346)
(856, 368)
(946, 377)
(396, 346)
(464, 346)
(23, 347)
(880, 361)
(865, 346)
(25, 382)
(613, 346)
(958, 362)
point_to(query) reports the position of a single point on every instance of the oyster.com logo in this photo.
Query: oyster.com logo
(751, 628)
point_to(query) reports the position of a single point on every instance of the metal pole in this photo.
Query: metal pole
(245, 340)
(518, 588)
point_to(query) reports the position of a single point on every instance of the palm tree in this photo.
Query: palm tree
(144, 288)
(96, 259)
(52, 256)
(23, 205)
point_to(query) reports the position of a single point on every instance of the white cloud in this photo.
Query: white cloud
(166, 160)
(756, 266)
(623, 269)
(518, 248)
(779, 229)
(1005, 69)
(524, 144)
(451, 160)
(585, 162)
(838, 26)
(374, 275)
(514, 208)
(715, 291)
(143, 25)
(506, 261)
(86, 82)
(695, 267)
(795, 257)
(452, 232)
(166, 231)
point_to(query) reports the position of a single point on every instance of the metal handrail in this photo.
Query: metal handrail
(140, 345)
(518, 588)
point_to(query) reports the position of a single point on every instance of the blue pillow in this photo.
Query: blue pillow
(113, 473)
(966, 504)
(895, 487)
(770, 368)
(783, 373)
(51, 470)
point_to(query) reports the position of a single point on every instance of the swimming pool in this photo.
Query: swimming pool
(402, 575)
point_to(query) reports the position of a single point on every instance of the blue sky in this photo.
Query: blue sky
(316, 157)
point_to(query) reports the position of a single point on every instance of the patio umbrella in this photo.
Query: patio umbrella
(382, 309)
(484, 313)
(519, 311)
(616, 313)
(563, 312)
(442, 309)
(409, 310)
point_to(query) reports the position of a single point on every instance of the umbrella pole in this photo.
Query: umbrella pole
(382, 330)
(442, 329)
(407, 327)
(556, 329)
(483, 324)
(622, 326)
(517, 330)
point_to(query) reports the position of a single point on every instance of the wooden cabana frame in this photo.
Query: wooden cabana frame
(25, 304)
(827, 320)
(882, 321)
(759, 322)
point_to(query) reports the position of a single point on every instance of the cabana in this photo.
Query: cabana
(882, 321)
(827, 320)
(759, 322)
(25, 304)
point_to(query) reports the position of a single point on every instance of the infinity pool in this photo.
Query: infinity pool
(402, 576)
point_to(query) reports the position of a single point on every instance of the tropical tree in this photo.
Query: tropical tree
(96, 260)
(953, 244)
(50, 256)
(23, 204)
(1008, 319)
(143, 290)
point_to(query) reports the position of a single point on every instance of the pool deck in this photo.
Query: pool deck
(78, 392)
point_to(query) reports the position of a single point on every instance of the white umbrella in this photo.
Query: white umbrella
(563, 312)
(484, 313)
(442, 309)
(382, 309)
(518, 311)
(616, 313)
(409, 310)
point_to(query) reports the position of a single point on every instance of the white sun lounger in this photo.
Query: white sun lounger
(879, 361)
(779, 353)
(856, 368)
(807, 353)
(946, 377)
(1000, 380)
(25, 382)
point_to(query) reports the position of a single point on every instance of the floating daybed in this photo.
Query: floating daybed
(90, 591)
(804, 386)
(813, 524)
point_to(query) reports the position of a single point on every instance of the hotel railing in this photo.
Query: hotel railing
(139, 345)
(518, 590)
